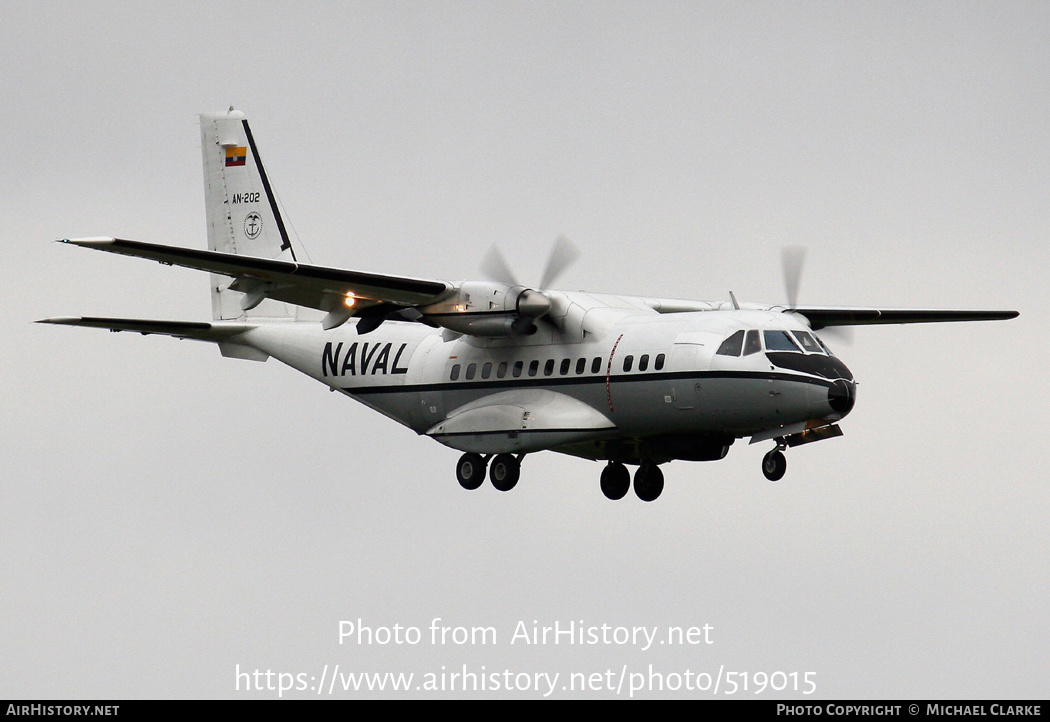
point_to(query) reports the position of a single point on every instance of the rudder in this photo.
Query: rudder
(242, 215)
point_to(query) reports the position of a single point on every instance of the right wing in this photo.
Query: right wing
(319, 287)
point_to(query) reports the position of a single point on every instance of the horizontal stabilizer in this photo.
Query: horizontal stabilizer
(179, 329)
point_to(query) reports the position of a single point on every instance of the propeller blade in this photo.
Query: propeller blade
(791, 259)
(562, 255)
(839, 334)
(495, 267)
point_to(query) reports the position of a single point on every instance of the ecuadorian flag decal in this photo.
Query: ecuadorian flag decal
(236, 156)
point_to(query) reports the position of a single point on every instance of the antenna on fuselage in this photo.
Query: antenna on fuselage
(732, 298)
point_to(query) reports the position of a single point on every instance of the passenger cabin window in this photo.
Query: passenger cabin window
(732, 345)
(548, 368)
(581, 365)
(752, 343)
(471, 370)
(643, 362)
(455, 373)
(596, 364)
(534, 366)
(779, 341)
(518, 366)
(807, 341)
(501, 370)
(628, 363)
(564, 366)
(659, 363)
(486, 371)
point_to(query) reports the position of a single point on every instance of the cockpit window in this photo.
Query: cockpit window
(779, 341)
(752, 344)
(731, 346)
(807, 341)
(823, 345)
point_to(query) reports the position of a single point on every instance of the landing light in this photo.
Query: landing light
(350, 299)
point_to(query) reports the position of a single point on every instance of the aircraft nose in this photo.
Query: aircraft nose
(842, 395)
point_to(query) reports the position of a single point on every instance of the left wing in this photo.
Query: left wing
(824, 316)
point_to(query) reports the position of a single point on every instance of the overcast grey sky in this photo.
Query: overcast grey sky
(167, 514)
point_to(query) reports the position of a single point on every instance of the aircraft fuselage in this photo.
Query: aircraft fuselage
(644, 385)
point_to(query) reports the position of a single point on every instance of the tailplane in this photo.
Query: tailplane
(243, 217)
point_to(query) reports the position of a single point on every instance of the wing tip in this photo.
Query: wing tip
(61, 320)
(89, 242)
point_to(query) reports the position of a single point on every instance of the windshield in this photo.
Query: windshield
(808, 342)
(779, 341)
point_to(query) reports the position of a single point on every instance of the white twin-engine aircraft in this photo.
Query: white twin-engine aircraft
(498, 370)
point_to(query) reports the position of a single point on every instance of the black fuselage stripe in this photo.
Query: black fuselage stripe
(582, 380)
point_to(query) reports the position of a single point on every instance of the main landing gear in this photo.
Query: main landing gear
(503, 472)
(470, 471)
(648, 481)
(505, 469)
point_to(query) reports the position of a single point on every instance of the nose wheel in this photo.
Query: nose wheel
(774, 465)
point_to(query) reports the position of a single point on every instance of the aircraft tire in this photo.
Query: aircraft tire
(616, 481)
(648, 481)
(504, 472)
(774, 465)
(470, 471)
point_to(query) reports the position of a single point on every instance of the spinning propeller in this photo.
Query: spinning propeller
(792, 258)
(563, 254)
(530, 303)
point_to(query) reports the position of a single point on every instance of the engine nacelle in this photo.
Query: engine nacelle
(489, 308)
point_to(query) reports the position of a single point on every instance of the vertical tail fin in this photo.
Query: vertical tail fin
(242, 213)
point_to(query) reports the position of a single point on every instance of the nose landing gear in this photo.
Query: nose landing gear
(774, 464)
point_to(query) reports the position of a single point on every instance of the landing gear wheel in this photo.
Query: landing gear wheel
(470, 471)
(774, 465)
(504, 472)
(616, 481)
(648, 481)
